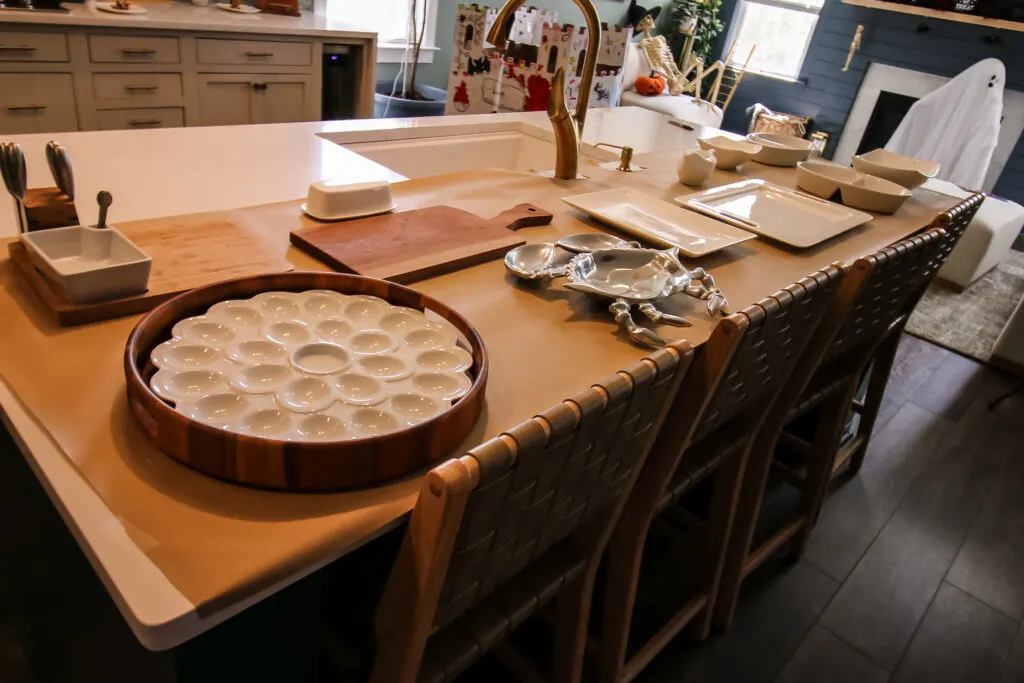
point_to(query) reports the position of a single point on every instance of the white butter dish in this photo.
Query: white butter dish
(89, 264)
(330, 200)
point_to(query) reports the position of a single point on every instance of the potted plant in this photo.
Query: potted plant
(700, 19)
(402, 97)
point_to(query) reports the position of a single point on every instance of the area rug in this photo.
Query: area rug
(969, 322)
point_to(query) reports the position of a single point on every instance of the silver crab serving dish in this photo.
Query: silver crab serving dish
(609, 268)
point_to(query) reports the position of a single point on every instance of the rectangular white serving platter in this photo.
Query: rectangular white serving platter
(776, 212)
(657, 221)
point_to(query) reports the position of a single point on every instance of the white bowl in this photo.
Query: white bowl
(384, 366)
(695, 166)
(780, 150)
(329, 200)
(321, 427)
(415, 408)
(445, 360)
(729, 153)
(905, 171)
(320, 358)
(89, 264)
(360, 390)
(856, 189)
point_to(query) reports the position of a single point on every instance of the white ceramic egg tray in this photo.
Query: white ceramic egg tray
(311, 366)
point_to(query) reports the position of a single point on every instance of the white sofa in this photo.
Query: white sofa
(987, 240)
(682, 107)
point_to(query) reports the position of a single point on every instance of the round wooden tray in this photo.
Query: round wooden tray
(289, 465)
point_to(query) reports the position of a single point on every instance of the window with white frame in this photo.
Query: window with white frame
(779, 32)
(391, 21)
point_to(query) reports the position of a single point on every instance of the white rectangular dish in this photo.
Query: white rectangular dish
(658, 222)
(89, 264)
(776, 212)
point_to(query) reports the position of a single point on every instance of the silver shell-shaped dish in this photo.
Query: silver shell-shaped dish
(586, 242)
(634, 275)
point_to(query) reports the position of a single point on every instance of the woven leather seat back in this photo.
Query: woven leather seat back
(955, 222)
(898, 275)
(566, 465)
(778, 330)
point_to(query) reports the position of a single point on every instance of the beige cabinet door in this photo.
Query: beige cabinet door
(280, 99)
(237, 99)
(225, 99)
(37, 103)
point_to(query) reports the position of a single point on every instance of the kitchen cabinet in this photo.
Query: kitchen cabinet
(36, 103)
(133, 119)
(86, 72)
(235, 99)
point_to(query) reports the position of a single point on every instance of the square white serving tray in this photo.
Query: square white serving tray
(776, 212)
(89, 264)
(657, 221)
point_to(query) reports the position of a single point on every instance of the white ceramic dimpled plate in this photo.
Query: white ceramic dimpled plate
(311, 366)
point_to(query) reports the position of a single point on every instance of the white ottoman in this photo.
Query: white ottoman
(677, 106)
(987, 240)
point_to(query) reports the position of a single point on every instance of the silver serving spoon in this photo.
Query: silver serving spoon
(60, 167)
(15, 175)
(65, 174)
(104, 199)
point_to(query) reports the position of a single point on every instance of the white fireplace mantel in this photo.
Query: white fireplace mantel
(917, 84)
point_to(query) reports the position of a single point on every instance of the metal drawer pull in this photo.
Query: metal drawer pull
(145, 122)
(258, 86)
(259, 54)
(138, 51)
(141, 87)
(27, 107)
(17, 48)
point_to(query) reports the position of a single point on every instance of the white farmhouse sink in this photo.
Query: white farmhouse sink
(431, 155)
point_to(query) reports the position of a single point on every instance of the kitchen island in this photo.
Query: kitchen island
(179, 552)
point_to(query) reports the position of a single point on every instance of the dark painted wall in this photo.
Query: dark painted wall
(826, 93)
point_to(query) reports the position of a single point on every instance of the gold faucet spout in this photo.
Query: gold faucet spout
(568, 129)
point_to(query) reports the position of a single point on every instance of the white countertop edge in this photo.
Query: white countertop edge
(149, 602)
(159, 615)
(180, 16)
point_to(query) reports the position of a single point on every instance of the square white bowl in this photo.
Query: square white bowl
(89, 264)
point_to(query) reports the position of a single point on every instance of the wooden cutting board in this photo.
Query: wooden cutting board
(185, 255)
(416, 245)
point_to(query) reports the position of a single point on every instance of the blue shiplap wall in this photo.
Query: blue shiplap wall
(826, 93)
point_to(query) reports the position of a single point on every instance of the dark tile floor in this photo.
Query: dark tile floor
(915, 571)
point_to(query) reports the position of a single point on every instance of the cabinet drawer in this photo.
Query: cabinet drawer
(138, 89)
(152, 117)
(17, 46)
(134, 50)
(37, 103)
(261, 52)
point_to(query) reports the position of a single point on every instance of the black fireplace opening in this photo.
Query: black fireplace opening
(890, 108)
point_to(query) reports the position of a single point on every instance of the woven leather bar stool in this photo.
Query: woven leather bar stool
(518, 522)
(860, 334)
(732, 382)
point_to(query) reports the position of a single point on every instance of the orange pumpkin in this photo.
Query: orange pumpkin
(650, 85)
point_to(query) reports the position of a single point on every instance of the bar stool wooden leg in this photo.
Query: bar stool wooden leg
(748, 507)
(571, 629)
(877, 382)
(724, 512)
(622, 567)
(821, 461)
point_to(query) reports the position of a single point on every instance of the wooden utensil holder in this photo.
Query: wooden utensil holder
(48, 207)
